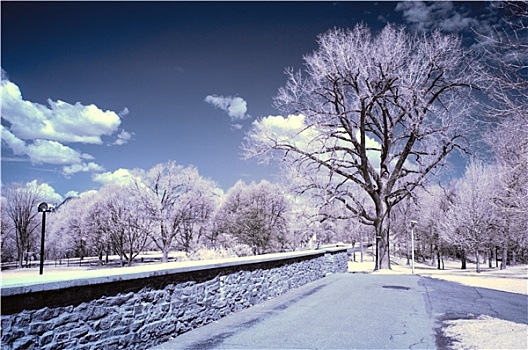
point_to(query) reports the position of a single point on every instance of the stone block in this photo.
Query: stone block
(79, 332)
(12, 336)
(23, 319)
(40, 327)
(91, 337)
(66, 318)
(45, 314)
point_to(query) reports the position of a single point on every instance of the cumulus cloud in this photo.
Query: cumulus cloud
(72, 193)
(43, 151)
(47, 192)
(442, 15)
(69, 170)
(41, 132)
(119, 177)
(293, 130)
(235, 107)
(53, 152)
(123, 137)
(60, 121)
(290, 130)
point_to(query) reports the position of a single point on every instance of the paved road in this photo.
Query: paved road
(355, 311)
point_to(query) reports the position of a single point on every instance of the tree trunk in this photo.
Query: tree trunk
(408, 248)
(463, 260)
(382, 245)
(361, 247)
(438, 258)
(504, 257)
(164, 256)
(477, 256)
(432, 252)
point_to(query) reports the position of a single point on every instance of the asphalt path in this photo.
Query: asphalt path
(355, 311)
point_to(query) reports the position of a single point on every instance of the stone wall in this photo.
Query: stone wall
(137, 310)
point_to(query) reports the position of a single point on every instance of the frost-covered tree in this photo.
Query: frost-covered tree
(255, 215)
(470, 222)
(433, 204)
(178, 199)
(375, 112)
(20, 206)
(193, 215)
(65, 228)
(128, 226)
(7, 236)
(506, 57)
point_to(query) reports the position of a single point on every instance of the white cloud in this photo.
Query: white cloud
(43, 151)
(72, 194)
(124, 112)
(52, 152)
(294, 131)
(120, 177)
(236, 107)
(17, 145)
(83, 167)
(42, 132)
(61, 121)
(437, 15)
(47, 192)
(123, 137)
(291, 130)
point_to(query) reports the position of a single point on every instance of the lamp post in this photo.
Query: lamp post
(81, 250)
(43, 208)
(413, 222)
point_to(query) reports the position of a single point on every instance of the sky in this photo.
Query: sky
(91, 90)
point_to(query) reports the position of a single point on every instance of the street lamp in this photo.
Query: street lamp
(413, 222)
(43, 208)
(81, 250)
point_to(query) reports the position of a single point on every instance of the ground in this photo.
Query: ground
(484, 332)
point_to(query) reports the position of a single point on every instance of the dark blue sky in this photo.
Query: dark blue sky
(151, 65)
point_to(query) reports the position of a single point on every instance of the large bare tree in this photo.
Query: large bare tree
(374, 112)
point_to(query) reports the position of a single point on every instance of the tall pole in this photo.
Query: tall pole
(412, 245)
(42, 243)
(43, 207)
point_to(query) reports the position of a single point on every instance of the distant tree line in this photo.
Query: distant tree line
(167, 208)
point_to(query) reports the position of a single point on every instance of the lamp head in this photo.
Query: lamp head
(43, 207)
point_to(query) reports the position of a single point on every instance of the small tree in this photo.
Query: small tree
(7, 238)
(255, 215)
(128, 226)
(177, 199)
(434, 203)
(470, 221)
(20, 206)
